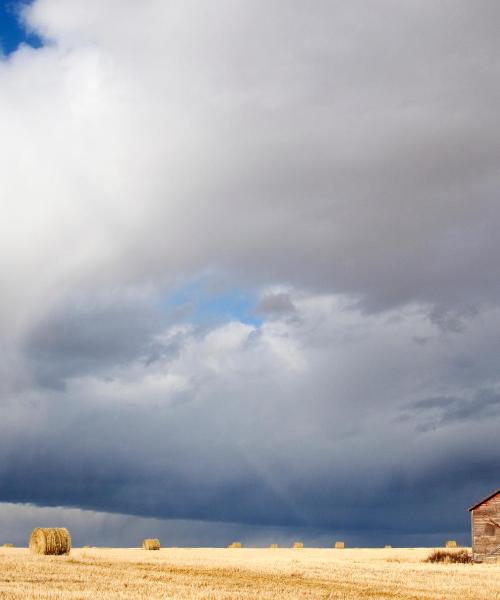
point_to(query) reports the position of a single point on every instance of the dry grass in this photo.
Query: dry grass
(222, 574)
(50, 540)
(449, 556)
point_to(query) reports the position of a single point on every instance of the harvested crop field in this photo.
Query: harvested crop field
(101, 573)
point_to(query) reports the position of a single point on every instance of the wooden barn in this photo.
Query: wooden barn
(485, 522)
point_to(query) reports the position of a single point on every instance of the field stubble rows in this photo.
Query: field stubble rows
(216, 573)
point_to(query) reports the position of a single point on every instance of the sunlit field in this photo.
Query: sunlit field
(99, 573)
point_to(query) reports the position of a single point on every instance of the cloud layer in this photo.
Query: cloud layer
(334, 165)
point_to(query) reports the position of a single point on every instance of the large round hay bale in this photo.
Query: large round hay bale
(50, 540)
(151, 544)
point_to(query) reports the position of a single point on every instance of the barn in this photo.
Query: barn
(485, 524)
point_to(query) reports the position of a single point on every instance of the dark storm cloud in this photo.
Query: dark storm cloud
(337, 162)
(184, 478)
(104, 529)
(214, 457)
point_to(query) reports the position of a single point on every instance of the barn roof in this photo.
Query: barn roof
(485, 499)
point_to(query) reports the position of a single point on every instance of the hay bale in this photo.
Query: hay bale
(235, 545)
(451, 544)
(8, 545)
(50, 540)
(387, 547)
(339, 545)
(151, 544)
(298, 545)
(274, 545)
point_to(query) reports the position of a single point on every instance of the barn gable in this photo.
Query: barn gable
(485, 499)
(485, 521)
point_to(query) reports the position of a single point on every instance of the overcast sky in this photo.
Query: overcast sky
(249, 269)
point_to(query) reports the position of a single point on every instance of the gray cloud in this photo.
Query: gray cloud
(432, 413)
(77, 339)
(452, 319)
(275, 304)
(337, 163)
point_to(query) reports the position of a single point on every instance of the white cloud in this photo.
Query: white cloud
(150, 141)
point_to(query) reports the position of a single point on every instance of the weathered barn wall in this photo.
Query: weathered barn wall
(486, 530)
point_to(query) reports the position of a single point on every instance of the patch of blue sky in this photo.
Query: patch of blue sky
(203, 305)
(12, 31)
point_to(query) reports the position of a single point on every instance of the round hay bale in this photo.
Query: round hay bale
(298, 545)
(339, 545)
(451, 544)
(151, 544)
(50, 540)
(274, 546)
(8, 545)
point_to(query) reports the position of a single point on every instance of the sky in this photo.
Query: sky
(249, 270)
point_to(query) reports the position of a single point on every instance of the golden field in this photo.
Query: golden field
(240, 573)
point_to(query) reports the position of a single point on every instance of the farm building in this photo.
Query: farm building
(485, 522)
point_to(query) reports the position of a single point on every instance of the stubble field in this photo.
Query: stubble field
(101, 573)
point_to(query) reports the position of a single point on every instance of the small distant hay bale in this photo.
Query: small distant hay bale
(451, 544)
(388, 547)
(339, 545)
(50, 541)
(151, 544)
(8, 545)
(274, 545)
(235, 545)
(298, 545)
